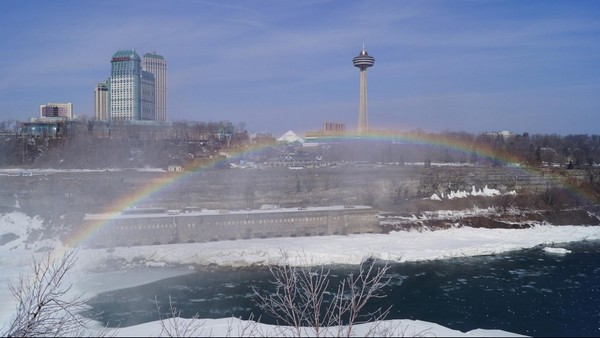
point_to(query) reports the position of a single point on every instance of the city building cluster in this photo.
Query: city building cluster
(136, 93)
(136, 89)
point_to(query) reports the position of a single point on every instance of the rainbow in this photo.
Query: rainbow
(155, 186)
(150, 189)
(428, 139)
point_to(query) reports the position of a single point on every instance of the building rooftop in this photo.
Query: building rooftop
(153, 55)
(155, 212)
(125, 55)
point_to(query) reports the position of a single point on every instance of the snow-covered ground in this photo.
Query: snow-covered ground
(233, 327)
(145, 264)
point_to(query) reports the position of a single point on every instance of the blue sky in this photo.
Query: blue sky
(523, 66)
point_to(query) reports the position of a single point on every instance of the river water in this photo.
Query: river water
(530, 292)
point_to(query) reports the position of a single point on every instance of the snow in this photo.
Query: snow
(21, 226)
(559, 251)
(236, 327)
(486, 192)
(457, 194)
(403, 246)
(400, 246)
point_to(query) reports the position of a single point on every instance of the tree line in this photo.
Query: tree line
(570, 151)
(93, 144)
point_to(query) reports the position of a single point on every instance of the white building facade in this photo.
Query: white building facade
(157, 65)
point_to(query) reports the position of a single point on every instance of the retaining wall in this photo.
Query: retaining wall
(211, 225)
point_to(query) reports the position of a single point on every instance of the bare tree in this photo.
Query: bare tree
(172, 325)
(355, 292)
(301, 302)
(42, 309)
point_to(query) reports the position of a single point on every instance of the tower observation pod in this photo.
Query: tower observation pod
(363, 61)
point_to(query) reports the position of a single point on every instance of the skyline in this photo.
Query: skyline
(275, 66)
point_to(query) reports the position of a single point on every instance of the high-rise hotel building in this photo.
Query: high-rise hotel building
(157, 65)
(125, 89)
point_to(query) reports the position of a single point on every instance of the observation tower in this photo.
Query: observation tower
(363, 61)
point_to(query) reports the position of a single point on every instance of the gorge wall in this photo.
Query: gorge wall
(58, 193)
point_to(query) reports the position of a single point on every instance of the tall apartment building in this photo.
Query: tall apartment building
(125, 88)
(157, 65)
(57, 110)
(101, 101)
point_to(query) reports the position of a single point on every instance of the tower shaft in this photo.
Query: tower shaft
(362, 104)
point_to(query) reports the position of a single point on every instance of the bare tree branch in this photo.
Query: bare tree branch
(301, 299)
(42, 309)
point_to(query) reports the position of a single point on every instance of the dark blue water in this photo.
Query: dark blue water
(529, 292)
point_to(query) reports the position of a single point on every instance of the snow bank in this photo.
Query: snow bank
(15, 229)
(352, 249)
(233, 327)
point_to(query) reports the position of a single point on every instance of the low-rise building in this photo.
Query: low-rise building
(64, 110)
